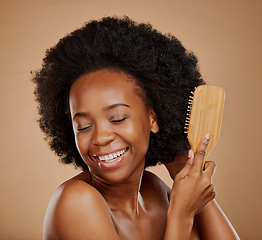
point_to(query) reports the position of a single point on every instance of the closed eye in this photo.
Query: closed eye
(84, 128)
(118, 120)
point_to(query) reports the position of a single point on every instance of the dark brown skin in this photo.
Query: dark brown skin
(120, 200)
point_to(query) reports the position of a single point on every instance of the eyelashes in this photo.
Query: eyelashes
(114, 121)
(84, 128)
(118, 120)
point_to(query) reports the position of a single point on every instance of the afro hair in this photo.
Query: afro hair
(164, 70)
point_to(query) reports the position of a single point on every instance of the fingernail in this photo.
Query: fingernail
(207, 136)
(189, 154)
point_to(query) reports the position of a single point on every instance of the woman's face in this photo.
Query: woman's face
(111, 124)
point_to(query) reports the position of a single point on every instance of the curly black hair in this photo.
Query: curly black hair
(162, 67)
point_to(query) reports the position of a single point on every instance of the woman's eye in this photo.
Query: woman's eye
(83, 128)
(117, 120)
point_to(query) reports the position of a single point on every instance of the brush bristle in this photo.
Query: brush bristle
(189, 108)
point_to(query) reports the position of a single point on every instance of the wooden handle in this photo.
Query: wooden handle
(206, 116)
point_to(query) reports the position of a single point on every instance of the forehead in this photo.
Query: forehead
(104, 87)
(104, 78)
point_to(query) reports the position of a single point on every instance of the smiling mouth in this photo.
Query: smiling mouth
(111, 157)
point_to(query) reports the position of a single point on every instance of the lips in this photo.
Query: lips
(112, 159)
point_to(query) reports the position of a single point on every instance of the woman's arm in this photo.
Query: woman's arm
(192, 190)
(211, 221)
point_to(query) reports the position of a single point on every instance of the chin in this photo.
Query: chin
(121, 175)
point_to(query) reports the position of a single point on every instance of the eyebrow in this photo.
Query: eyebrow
(84, 114)
(114, 106)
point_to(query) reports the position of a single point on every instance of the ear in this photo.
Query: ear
(154, 127)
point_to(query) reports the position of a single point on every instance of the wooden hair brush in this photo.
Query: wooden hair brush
(205, 109)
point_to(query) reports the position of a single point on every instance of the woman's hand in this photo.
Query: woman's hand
(177, 165)
(192, 188)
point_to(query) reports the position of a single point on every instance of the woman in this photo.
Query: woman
(112, 99)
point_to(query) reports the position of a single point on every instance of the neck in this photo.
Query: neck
(124, 196)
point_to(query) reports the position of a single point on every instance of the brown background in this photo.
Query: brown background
(225, 35)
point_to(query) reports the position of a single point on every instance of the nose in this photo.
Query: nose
(102, 136)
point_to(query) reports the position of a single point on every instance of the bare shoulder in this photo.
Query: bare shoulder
(77, 210)
(150, 180)
(155, 180)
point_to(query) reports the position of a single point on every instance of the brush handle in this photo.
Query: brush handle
(206, 116)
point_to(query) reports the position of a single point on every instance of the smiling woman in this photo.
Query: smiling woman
(112, 100)
(111, 124)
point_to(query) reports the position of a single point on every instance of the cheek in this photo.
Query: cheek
(139, 134)
(81, 142)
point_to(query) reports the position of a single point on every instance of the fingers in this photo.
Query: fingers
(210, 192)
(210, 168)
(208, 195)
(200, 153)
(207, 176)
(180, 161)
(186, 169)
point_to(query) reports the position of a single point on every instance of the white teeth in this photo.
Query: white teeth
(111, 157)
